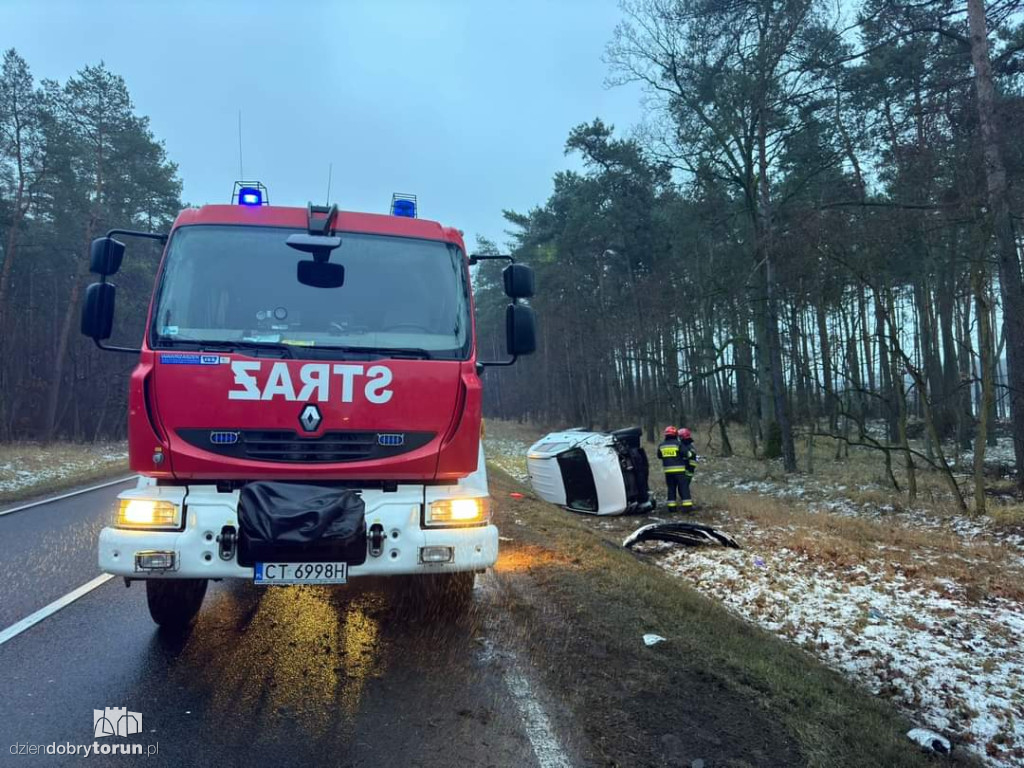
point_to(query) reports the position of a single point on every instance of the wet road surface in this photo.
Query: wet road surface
(351, 676)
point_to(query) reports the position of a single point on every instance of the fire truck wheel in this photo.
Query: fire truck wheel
(174, 603)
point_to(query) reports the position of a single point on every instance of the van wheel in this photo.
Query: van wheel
(174, 603)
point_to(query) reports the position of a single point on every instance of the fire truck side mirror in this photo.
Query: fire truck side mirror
(98, 311)
(105, 256)
(518, 279)
(520, 330)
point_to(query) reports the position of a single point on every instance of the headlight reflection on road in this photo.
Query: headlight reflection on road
(304, 659)
(525, 557)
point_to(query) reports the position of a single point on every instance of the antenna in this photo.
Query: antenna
(241, 173)
(330, 168)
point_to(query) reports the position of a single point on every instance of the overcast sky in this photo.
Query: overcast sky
(465, 104)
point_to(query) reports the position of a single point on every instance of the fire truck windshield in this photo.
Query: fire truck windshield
(234, 284)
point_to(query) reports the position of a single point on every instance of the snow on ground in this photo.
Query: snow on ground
(953, 662)
(509, 455)
(24, 466)
(955, 665)
(998, 455)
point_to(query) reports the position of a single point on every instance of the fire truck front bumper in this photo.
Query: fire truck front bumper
(205, 543)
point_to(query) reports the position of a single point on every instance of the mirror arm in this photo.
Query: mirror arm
(497, 363)
(161, 236)
(474, 260)
(112, 348)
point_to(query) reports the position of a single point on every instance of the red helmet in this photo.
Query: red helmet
(671, 431)
(684, 434)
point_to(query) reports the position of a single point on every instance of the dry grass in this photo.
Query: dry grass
(614, 596)
(983, 567)
(855, 465)
(30, 469)
(846, 542)
(1008, 515)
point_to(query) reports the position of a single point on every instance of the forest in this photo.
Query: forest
(75, 161)
(814, 231)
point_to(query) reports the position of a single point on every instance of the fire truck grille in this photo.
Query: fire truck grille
(282, 445)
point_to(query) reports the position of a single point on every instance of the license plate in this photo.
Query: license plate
(300, 573)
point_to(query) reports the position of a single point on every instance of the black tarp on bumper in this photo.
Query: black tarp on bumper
(290, 522)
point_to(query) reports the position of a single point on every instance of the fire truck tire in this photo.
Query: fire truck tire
(174, 603)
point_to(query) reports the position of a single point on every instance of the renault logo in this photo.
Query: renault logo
(310, 418)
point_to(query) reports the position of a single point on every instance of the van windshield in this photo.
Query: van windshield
(238, 284)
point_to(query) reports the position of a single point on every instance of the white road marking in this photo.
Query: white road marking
(30, 621)
(546, 748)
(67, 495)
(538, 727)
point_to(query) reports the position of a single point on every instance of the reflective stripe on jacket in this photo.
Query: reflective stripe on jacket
(672, 456)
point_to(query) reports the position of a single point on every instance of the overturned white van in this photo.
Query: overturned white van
(600, 473)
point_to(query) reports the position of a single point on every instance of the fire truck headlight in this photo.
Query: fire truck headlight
(148, 514)
(459, 512)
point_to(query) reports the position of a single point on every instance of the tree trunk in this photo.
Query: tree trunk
(981, 301)
(885, 374)
(826, 365)
(765, 250)
(1011, 289)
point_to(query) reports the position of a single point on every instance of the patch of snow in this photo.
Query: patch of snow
(508, 455)
(957, 665)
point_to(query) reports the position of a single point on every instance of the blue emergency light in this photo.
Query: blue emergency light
(403, 205)
(250, 196)
(250, 193)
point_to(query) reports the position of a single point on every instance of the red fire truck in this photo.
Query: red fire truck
(306, 406)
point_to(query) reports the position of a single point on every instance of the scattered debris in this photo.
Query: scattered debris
(690, 534)
(650, 640)
(516, 495)
(930, 741)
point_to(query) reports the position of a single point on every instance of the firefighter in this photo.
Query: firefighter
(688, 458)
(671, 454)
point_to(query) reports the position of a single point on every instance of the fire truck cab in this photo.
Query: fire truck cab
(306, 407)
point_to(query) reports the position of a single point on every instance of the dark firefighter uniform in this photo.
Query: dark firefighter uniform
(674, 464)
(689, 459)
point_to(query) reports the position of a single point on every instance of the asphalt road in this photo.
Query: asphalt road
(344, 676)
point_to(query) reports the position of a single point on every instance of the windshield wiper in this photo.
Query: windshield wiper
(411, 353)
(221, 345)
